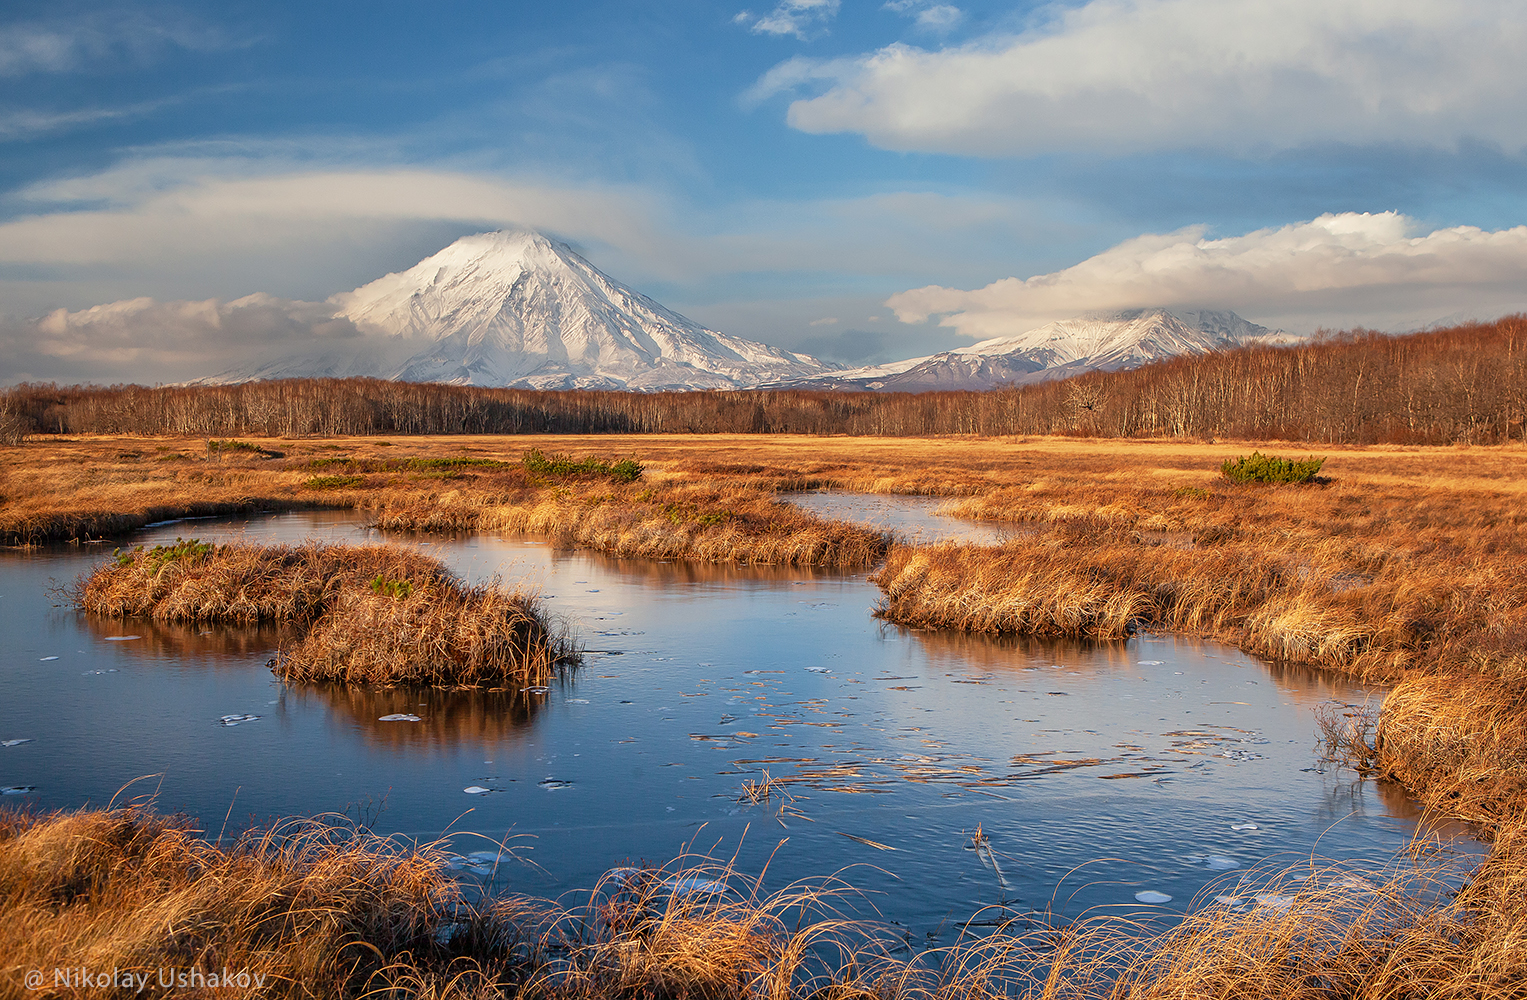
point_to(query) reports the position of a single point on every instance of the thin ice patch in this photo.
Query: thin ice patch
(234, 720)
(478, 861)
(122, 638)
(535, 690)
(577, 701)
(45, 659)
(1243, 826)
(17, 789)
(13, 743)
(819, 670)
(1148, 663)
(1153, 897)
(400, 717)
(554, 784)
(476, 790)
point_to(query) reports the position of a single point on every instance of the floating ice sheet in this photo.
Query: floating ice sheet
(234, 720)
(400, 717)
(476, 790)
(17, 789)
(45, 659)
(122, 638)
(553, 784)
(577, 701)
(1152, 896)
(1243, 826)
(14, 743)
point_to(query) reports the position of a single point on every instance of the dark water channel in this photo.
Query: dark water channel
(1156, 765)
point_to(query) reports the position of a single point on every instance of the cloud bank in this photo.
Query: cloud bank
(1336, 270)
(174, 340)
(1238, 76)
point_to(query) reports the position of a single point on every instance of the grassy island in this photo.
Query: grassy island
(380, 615)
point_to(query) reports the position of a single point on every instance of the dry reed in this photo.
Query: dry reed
(381, 615)
(442, 633)
(323, 910)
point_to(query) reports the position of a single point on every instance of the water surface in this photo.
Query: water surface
(1096, 771)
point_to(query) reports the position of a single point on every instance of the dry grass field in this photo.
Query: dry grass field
(1407, 564)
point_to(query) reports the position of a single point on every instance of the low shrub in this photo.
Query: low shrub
(333, 482)
(627, 470)
(1260, 468)
(184, 550)
(217, 446)
(392, 588)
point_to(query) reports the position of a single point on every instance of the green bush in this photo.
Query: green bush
(184, 550)
(213, 444)
(1260, 468)
(454, 464)
(216, 445)
(332, 482)
(627, 470)
(391, 588)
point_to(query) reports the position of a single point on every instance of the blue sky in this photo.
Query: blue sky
(779, 170)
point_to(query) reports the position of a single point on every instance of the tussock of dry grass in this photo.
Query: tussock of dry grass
(313, 912)
(380, 615)
(245, 584)
(328, 911)
(441, 633)
(667, 522)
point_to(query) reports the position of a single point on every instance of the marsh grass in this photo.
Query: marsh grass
(326, 909)
(440, 633)
(376, 614)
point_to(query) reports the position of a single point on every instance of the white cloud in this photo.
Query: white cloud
(1337, 270)
(145, 340)
(82, 42)
(928, 14)
(790, 17)
(1244, 76)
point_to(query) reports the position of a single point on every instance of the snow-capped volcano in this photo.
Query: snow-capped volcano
(1106, 342)
(514, 308)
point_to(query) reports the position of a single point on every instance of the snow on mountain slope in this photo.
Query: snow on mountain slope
(514, 308)
(1108, 342)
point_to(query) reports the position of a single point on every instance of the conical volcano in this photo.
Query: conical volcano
(515, 308)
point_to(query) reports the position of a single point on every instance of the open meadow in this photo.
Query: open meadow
(1399, 564)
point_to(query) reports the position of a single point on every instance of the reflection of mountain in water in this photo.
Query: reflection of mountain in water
(454, 717)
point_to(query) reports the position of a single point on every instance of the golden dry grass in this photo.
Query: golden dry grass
(322, 910)
(377, 614)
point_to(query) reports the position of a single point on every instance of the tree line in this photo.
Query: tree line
(1466, 383)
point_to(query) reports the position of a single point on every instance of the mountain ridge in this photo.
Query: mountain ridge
(1109, 341)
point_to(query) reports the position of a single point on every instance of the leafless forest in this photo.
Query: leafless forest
(1463, 384)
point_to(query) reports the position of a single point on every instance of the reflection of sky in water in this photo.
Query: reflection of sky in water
(1175, 759)
(910, 519)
